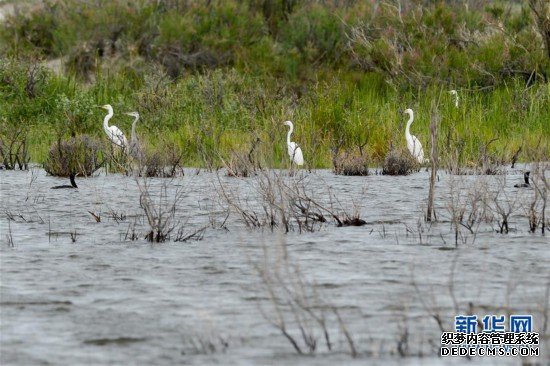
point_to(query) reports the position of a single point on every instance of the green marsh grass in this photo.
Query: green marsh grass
(210, 79)
(223, 111)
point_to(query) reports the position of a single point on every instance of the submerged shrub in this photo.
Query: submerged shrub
(165, 163)
(79, 155)
(399, 162)
(13, 147)
(350, 162)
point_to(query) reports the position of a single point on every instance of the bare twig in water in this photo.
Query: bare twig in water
(159, 206)
(11, 244)
(286, 203)
(502, 205)
(131, 233)
(515, 157)
(536, 211)
(160, 215)
(117, 216)
(96, 216)
(183, 235)
(297, 309)
(466, 208)
(205, 344)
(434, 126)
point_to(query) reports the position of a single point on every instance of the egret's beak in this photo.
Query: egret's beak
(128, 113)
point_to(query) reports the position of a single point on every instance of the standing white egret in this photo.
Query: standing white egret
(294, 151)
(413, 144)
(455, 93)
(113, 132)
(135, 148)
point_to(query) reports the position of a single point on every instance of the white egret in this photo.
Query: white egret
(294, 151)
(526, 181)
(413, 144)
(135, 148)
(113, 132)
(455, 93)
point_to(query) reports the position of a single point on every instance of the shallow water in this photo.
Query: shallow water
(103, 299)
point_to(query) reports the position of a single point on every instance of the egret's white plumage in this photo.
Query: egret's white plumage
(113, 132)
(294, 151)
(413, 144)
(135, 148)
(455, 93)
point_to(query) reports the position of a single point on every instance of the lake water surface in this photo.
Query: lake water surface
(76, 291)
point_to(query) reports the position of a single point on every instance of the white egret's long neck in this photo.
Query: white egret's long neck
(289, 133)
(456, 100)
(134, 137)
(106, 120)
(409, 123)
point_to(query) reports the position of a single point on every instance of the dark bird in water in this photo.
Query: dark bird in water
(73, 183)
(526, 183)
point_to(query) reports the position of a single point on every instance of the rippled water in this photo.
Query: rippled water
(76, 291)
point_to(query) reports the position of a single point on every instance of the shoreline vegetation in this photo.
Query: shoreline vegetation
(213, 82)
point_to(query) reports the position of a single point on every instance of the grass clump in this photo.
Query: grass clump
(81, 156)
(399, 162)
(350, 162)
(160, 163)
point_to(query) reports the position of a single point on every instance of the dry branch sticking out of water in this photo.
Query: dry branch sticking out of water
(295, 306)
(287, 203)
(159, 206)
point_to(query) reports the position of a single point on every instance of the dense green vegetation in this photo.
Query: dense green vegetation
(210, 77)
